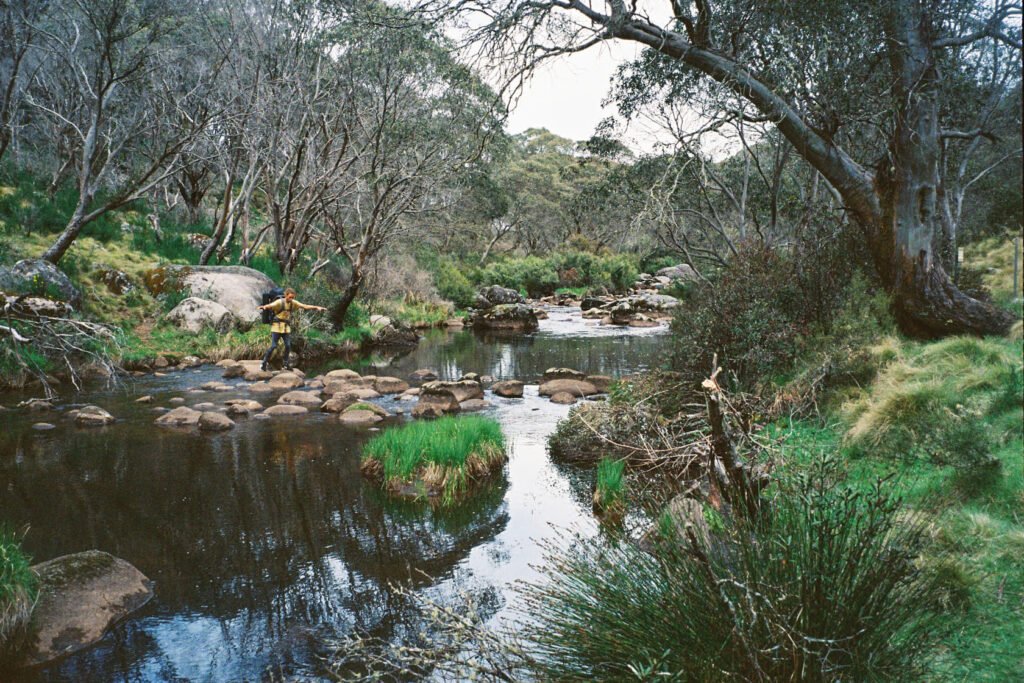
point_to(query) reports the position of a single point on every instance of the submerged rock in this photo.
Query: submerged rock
(93, 416)
(80, 597)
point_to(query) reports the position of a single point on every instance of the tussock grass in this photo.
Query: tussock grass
(994, 258)
(954, 402)
(823, 588)
(610, 488)
(18, 588)
(441, 458)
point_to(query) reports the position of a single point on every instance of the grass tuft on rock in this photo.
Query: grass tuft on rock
(610, 489)
(18, 589)
(440, 459)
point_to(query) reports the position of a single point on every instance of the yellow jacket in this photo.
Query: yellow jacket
(283, 310)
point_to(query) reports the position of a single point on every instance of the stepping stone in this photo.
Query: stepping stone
(180, 417)
(215, 422)
(281, 410)
(301, 398)
(93, 416)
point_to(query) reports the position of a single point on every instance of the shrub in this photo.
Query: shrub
(18, 586)
(610, 487)
(751, 316)
(536, 275)
(453, 285)
(823, 588)
(440, 458)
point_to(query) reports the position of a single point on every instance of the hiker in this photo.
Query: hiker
(280, 326)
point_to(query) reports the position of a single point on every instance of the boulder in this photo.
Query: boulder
(338, 403)
(679, 272)
(359, 418)
(460, 391)
(591, 302)
(492, 296)
(34, 307)
(236, 288)
(361, 406)
(423, 375)
(93, 416)
(36, 405)
(390, 385)
(396, 334)
(562, 373)
(257, 375)
(261, 388)
(161, 362)
(601, 382)
(571, 386)
(40, 277)
(215, 422)
(470, 377)
(563, 398)
(43, 426)
(194, 314)
(283, 410)
(342, 385)
(242, 407)
(435, 405)
(379, 321)
(622, 313)
(475, 404)
(228, 362)
(341, 374)
(179, 417)
(655, 302)
(216, 386)
(80, 597)
(300, 398)
(513, 317)
(204, 406)
(285, 380)
(510, 388)
(234, 370)
(176, 401)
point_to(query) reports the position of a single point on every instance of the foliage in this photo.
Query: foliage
(751, 316)
(573, 269)
(453, 285)
(450, 451)
(18, 586)
(951, 402)
(823, 588)
(610, 485)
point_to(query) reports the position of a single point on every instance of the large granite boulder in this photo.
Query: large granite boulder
(194, 314)
(36, 276)
(571, 386)
(460, 391)
(510, 388)
(395, 333)
(680, 272)
(236, 288)
(80, 597)
(513, 317)
(488, 297)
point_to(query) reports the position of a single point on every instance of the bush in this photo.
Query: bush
(453, 285)
(610, 487)
(823, 588)
(952, 402)
(751, 315)
(437, 458)
(568, 269)
(535, 275)
(18, 587)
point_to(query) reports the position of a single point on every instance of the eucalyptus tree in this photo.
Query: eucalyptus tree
(416, 121)
(123, 83)
(862, 105)
(18, 59)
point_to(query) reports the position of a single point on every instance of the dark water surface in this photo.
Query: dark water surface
(264, 542)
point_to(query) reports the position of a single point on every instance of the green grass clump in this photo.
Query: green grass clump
(955, 402)
(822, 587)
(18, 588)
(610, 488)
(437, 458)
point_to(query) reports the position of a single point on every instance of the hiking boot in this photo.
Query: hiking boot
(263, 367)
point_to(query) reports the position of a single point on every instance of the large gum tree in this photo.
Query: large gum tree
(855, 86)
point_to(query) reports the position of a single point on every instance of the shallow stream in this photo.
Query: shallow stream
(265, 542)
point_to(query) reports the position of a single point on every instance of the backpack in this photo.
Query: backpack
(270, 297)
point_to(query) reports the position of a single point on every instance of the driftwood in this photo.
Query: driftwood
(726, 468)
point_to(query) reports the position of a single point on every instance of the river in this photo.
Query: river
(265, 542)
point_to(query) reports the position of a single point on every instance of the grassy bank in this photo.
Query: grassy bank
(18, 586)
(441, 458)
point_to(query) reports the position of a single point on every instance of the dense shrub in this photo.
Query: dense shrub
(569, 269)
(751, 315)
(823, 588)
(532, 274)
(453, 285)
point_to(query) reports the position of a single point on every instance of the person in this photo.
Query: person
(280, 327)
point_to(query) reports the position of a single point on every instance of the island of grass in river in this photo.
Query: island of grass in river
(441, 459)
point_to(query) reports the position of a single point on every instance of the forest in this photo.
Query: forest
(768, 360)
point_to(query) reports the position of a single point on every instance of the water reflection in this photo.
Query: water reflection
(264, 539)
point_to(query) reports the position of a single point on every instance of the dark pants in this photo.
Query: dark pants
(274, 337)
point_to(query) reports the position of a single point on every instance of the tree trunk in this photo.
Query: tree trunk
(340, 308)
(897, 205)
(56, 251)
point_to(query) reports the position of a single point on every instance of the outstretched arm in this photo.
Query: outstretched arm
(310, 307)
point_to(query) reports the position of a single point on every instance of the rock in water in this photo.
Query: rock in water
(210, 421)
(80, 597)
(510, 388)
(194, 314)
(179, 417)
(497, 296)
(282, 410)
(301, 398)
(513, 317)
(571, 386)
(563, 398)
(285, 380)
(93, 416)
